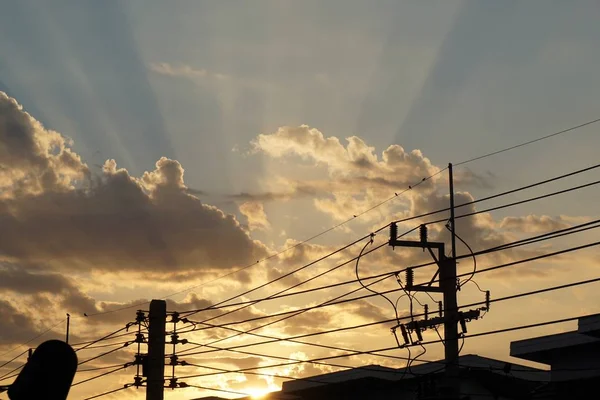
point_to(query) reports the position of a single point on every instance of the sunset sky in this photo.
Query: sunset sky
(149, 147)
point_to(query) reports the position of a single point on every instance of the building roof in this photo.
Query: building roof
(547, 349)
(470, 361)
(589, 325)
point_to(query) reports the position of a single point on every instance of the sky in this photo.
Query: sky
(150, 147)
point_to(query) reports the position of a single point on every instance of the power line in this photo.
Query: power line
(104, 354)
(393, 320)
(13, 359)
(361, 352)
(183, 385)
(501, 194)
(443, 220)
(106, 393)
(96, 340)
(410, 187)
(289, 316)
(99, 368)
(528, 142)
(282, 277)
(105, 337)
(100, 375)
(276, 340)
(255, 373)
(33, 338)
(100, 346)
(526, 241)
(6, 375)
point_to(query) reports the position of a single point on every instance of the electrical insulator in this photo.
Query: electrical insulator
(175, 317)
(140, 317)
(404, 334)
(440, 308)
(423, 234)
(137, 381)
(173, 360)
(139, 338)
(418, 332)
(410, 278)
(172, 383)
(487, 300)
(426, 311)
(393, 232)
(174, 338)
(463, 323)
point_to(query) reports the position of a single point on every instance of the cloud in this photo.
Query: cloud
(184, 71)
(255, 213)
(15, 325)
(32, 159)
(357, 177)
(535, 223)
(18, 280)
(53, 212)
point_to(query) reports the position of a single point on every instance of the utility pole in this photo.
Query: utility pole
(448, 287)
(68, 325)
(156, 350)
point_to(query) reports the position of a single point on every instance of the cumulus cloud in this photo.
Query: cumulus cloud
(33, 160)
(357, 176)
(254, 211)
(115, 222)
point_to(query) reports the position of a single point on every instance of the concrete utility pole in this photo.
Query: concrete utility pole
(156, 350)
(448, 287)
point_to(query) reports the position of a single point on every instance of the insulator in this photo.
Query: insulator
(404, 334)
(393, 232)
(172, 383)
(410, 277)
(418, 332)
(140, 317)
(139, 338)
(440, 309)
(487, 300)
(174, 338)
(426, 311)
(173, 359)
(463, 323)
(137, 381)
(423, 233)
(174, 317)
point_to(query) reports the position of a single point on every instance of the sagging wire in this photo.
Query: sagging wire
(394, 305)
(470, 278)
(370, 242)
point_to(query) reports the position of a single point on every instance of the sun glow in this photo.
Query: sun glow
(256, 393)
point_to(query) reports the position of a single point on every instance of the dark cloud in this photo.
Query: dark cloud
(15, 325)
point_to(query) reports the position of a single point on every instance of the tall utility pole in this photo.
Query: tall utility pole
(448, 287)
(156, 350)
